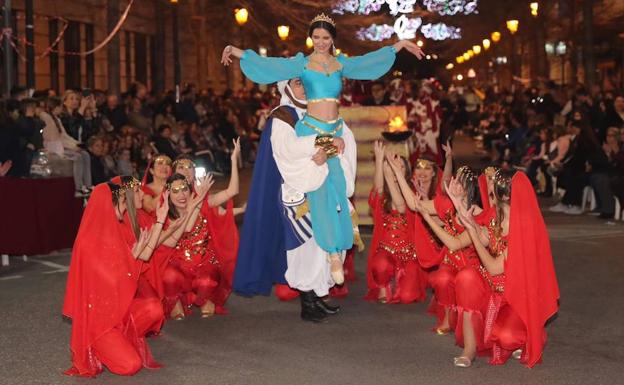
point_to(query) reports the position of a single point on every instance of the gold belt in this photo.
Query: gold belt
(324, 100)
(321, 132)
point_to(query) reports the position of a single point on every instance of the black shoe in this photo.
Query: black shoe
(309, 310)
(325, 307)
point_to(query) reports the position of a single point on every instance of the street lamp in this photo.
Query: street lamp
(420, 43)
(459, 59)
(466, 56)
(309, 43)
(241, 15)
(476, 49)
(470, 53)
(282, 31)
(496, 36)
(534, 8)
(460, 77)
(512, 26)
(486, 44)
(450, 66)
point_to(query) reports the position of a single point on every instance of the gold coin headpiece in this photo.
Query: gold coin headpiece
(122, 188)
(422, 164)
(325, 18)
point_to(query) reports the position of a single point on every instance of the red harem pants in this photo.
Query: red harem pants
(410, 278)
(117, 352)
(508, 333)
(472, 295)
(442, 281)
(189, 286)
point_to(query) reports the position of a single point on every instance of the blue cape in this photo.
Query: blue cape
(261, 260)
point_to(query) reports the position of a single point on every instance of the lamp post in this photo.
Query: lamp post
(560, 50)
(512, 26)
(8, 50)
(177, 71)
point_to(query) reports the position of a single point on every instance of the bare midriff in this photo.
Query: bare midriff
(323, 109)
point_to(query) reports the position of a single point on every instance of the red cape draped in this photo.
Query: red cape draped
(102, 280)
(375, 201)
(531, 287)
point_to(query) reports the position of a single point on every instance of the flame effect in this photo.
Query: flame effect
(397, 124)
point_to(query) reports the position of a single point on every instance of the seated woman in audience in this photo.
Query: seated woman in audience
(57, 141)
(515, 289)
(111, 314)
(392, 255)
(201, 268)
(154, 181)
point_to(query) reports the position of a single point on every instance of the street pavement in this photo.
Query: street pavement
(263, 341)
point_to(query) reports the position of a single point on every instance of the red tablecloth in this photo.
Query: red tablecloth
(38, 216)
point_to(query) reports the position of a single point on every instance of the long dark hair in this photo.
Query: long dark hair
(502, 192)
(128, 192)
(324, 25)
(468, 179)
(173, 211)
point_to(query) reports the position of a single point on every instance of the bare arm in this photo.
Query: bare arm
(409, 195)
(453, 243)
(448, 163)
(395, 192)
(379, 166)
(494, 266)
(233, 188)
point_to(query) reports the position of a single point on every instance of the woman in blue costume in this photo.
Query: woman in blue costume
(321, 73)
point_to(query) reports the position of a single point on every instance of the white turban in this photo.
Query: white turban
(288, 97)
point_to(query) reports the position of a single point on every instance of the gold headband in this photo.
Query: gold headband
(184, 163)
(125, 187)
(423, 164)
(325, 18)
(169, 186)
(162, 159)
(500, 179)
(490, 171)
(467, 171)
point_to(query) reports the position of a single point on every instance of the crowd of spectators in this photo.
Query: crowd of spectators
(565, 138)
(106, 134)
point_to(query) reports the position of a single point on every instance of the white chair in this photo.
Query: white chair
(588, 197)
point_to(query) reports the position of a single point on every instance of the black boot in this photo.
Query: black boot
(324, 306)
(309, 310)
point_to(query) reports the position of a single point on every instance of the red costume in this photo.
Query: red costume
(202, 265)
(109, 320)
(393, 255)
(511, 309)
(450, 262)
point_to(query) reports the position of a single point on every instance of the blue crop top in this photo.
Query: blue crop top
(317, 85)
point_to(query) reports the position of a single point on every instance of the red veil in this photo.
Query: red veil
(485, 198)
(531, 284)
(102, 280)
(225, 236)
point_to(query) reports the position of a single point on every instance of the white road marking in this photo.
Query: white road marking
(11, 277)
(58, 268)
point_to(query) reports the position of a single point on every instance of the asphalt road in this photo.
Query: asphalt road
(262, 340)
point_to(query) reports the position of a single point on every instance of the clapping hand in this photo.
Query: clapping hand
(204, 186)
(163, 208)
(140, 243)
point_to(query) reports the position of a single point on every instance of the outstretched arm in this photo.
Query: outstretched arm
(264, 70)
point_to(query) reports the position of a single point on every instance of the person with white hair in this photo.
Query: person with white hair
(277, 242)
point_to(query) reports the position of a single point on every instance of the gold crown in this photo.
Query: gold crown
(325, 18)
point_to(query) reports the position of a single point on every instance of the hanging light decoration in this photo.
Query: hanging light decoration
(420, 43)
(486, 44)
(512, 26)
(309, 43)
(440, 31)
(241, 15)
(459, 59)
(470, 53)
(283, 31)
(460, 77)
(466, 56)
(450, 66)
(476, 49)
(534, 6)
(496, 36)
